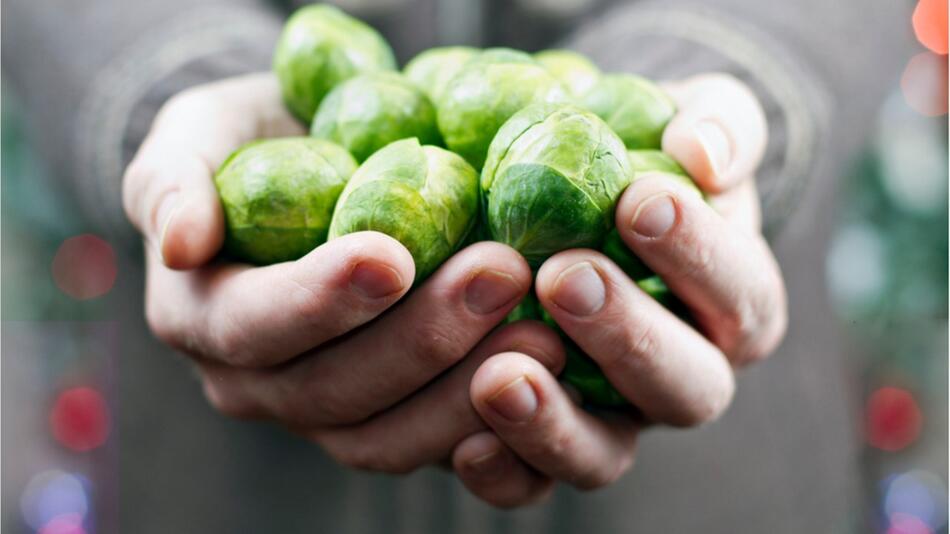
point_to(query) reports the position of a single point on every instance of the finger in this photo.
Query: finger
(430, 331)
(493, 473)
(740, 207)
(719, 134)
(725, 275)
(655, 360)
(168, 190)
(424, 428)
(530, 412)
(253, 317)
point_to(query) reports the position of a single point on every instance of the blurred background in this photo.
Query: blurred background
(887, 267)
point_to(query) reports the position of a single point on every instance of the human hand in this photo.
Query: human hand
(306, 343)
(713, 257)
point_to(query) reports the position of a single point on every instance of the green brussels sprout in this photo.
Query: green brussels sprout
(634, 107)
(431, 70)
(320, 47)
(366, 113)
(423, 196)
(552, 179)
(575, 71)
(486, 92)
(501, 54)
(278, 196)
(580, 370)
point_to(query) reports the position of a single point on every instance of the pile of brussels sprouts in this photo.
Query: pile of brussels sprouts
(463, 145)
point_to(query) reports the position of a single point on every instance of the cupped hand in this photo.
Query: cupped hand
(329, 345)
(712, 256)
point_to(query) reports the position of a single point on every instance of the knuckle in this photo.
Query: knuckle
(699, 260)
(357, 454)
(435, 345)
(307, 401)
(704, 409)
(223, 400)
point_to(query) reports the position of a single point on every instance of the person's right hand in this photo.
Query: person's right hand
(306, 343)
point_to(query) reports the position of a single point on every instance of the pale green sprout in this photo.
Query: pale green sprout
(486, 92)
(552, 179)
(634, 107)
(575, 71)
(369, 111)
(431, 70)
(425, 197)
(278, 196)
(320, 47)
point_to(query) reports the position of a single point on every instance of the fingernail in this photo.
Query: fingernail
(654, 216)
(489, 291)
(487, 464)
(375, 280)
(167, 208)
(579, 290)
(515, 402)
(715, 143)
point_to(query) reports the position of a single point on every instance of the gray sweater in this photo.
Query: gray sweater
(92, 74)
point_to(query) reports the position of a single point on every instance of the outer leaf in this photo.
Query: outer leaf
(320, 47)
(278, 196)
(369, 111)
(423, 196)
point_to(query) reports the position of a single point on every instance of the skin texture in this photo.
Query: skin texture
(432, 69)
(575, 71)
(491, 88)
(278, 196)
(366, 113)
(580, 371)
(277, 342)
(551, 180)
(423, 196)
(320, 47)
(634, 107)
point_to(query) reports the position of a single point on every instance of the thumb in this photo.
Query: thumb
(169, 195)
(168, 189)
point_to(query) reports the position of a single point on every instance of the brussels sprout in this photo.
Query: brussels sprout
(643, 161)
(423, 196)
(551, 181)
(634, 107)
(366, 113)
(431, 70)
(320, 47)
(489, 89)
(278, 196)
(575, 71)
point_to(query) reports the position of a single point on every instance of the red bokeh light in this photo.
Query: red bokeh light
(80, 419)
(893, 419)
(930, 25)
(907, 524)
(67, 524)
(84, 267)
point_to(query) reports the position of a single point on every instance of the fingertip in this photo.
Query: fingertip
(473, 453)
(704, 148)
(192, 233)
(492, 472)
(501, 257)
(652, 206)
(500, 371)
(535, 339)
(368, 251)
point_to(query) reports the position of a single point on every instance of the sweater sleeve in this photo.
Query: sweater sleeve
(809, 62)
(91, 75)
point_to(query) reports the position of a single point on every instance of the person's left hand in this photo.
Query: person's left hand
(713, 258)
